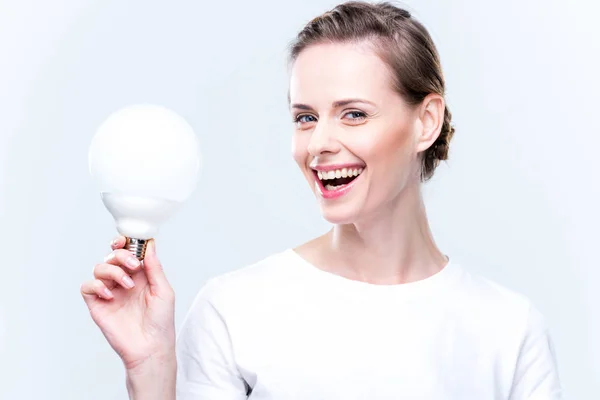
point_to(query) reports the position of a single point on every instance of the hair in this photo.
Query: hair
(402, 43)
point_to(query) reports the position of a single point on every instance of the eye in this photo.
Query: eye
(357, 115)
(304, 118)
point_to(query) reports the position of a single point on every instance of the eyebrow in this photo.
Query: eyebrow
(335, 104)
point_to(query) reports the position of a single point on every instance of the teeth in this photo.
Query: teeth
(339, 173)
(330, 187)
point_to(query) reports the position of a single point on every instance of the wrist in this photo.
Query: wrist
(154, 378)
(153, 360)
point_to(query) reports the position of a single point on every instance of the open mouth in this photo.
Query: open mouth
(338, 178)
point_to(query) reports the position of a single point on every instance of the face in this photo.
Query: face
(355, 139)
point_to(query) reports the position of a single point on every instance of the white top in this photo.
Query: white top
(283, 329)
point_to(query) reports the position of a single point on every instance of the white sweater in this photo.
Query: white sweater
(283, 329)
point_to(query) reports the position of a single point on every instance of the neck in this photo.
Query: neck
(393, 245)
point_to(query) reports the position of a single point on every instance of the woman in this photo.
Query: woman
(372, 309)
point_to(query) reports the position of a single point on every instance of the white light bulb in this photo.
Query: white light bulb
(145, 160)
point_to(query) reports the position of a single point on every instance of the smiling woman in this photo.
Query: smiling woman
(350, 113)
(372, 309)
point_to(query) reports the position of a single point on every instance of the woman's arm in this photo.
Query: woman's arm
(536, 374)
(155, 379)
(206, 364)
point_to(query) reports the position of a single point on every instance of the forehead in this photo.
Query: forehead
(332, 71)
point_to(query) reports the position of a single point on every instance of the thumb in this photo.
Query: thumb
(154, 270)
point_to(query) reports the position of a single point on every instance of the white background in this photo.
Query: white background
(518, 201)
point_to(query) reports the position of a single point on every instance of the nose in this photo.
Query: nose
(323, 140)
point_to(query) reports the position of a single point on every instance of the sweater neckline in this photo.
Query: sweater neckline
(444, 278)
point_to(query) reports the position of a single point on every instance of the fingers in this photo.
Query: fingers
(95, 288)
(118, 242)
(155, 273)
(117, 267)
(112, 273)
(123, 258)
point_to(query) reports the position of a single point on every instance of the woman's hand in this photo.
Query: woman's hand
(133, 305)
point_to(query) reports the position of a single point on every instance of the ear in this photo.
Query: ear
(431, 116)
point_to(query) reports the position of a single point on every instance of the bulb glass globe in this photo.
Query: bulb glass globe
(145, 161)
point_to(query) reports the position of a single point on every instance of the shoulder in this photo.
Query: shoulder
(500, 306)
(263, 272)
(491, 292)
(501, 321)
(251, 282)
(235, 297)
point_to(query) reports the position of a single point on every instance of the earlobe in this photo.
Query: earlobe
(432, 118)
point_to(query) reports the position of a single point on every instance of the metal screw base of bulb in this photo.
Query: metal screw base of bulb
(137, 247)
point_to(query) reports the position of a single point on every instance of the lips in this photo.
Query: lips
(334, 181)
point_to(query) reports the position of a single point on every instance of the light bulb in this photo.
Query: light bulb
(145, 161)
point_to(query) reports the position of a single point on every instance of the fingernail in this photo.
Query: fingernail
(133, 262)
(128, 282)
(107, 292)
(115, 241)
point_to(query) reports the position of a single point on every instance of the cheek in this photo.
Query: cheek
(387, 145)
(300, 148)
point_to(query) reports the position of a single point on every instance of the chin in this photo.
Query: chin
(340, 214)
(342, 206)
